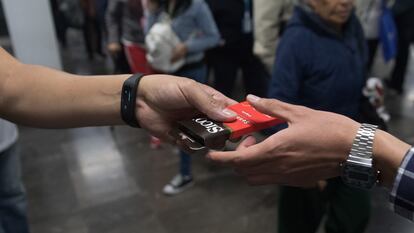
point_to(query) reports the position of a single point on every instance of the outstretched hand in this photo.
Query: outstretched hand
(309, 150)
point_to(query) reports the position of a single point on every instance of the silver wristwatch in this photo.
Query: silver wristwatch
(358, 170)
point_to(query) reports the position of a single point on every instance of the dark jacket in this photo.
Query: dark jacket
(123, 20)
(403, 6)
(228, 15)
(318, 68)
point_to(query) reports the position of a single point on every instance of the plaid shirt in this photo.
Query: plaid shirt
(402, 194)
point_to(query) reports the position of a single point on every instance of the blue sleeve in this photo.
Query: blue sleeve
(289, 67)
(150, 19)
(209, 36)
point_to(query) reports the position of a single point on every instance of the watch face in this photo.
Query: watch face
(355, 175)
(359, 176)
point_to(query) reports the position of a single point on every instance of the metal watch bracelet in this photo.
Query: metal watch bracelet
(364, 141)
(358, 170)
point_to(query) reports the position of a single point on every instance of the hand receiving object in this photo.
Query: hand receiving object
(309, 150)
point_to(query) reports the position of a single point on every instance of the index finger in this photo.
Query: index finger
(245, 156)
(272, 107)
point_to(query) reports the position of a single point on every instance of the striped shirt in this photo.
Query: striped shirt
(402, 194)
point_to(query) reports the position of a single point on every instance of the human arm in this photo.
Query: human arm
(38, 96)
(310, 149)
(42, 97)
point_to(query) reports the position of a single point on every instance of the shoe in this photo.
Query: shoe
(178, 184)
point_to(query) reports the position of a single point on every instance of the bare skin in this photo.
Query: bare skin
(309, 150)
(41, 97)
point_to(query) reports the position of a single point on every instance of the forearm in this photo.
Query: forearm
(42, 97)
(388, 155)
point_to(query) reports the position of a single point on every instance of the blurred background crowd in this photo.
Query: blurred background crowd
(345, 56)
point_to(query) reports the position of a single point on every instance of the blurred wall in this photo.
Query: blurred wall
(32, 32)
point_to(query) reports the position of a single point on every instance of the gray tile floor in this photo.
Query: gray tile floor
(104, 180)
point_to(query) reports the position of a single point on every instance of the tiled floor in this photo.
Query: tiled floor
(105, 180)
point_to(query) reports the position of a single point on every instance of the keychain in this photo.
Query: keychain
(202, 133)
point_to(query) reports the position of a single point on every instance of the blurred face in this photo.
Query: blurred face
(335, 12)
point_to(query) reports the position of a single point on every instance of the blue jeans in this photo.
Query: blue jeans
(199, 74)
(13, 205)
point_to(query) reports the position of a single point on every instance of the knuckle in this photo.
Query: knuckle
(189, 84)
(268, 151)
(238, 161)
(299, 111)
(271, 104)
(213, 104)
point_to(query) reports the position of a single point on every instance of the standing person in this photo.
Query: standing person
(270, 19)
(369, 13)
(13, 203)
(235, 22)
(193, 23)
(124, 20)
(404, 18)
(321, 64)
(92, 31)
(101, 8)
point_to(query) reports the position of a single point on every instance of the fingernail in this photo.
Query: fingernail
(253, 98)
(228, 113)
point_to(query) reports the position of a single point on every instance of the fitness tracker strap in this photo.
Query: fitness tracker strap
(128, 100)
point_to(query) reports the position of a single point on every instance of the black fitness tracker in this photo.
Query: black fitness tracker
(128, 100)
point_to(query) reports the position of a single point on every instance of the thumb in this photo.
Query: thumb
(272, 107)
(211, 102)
